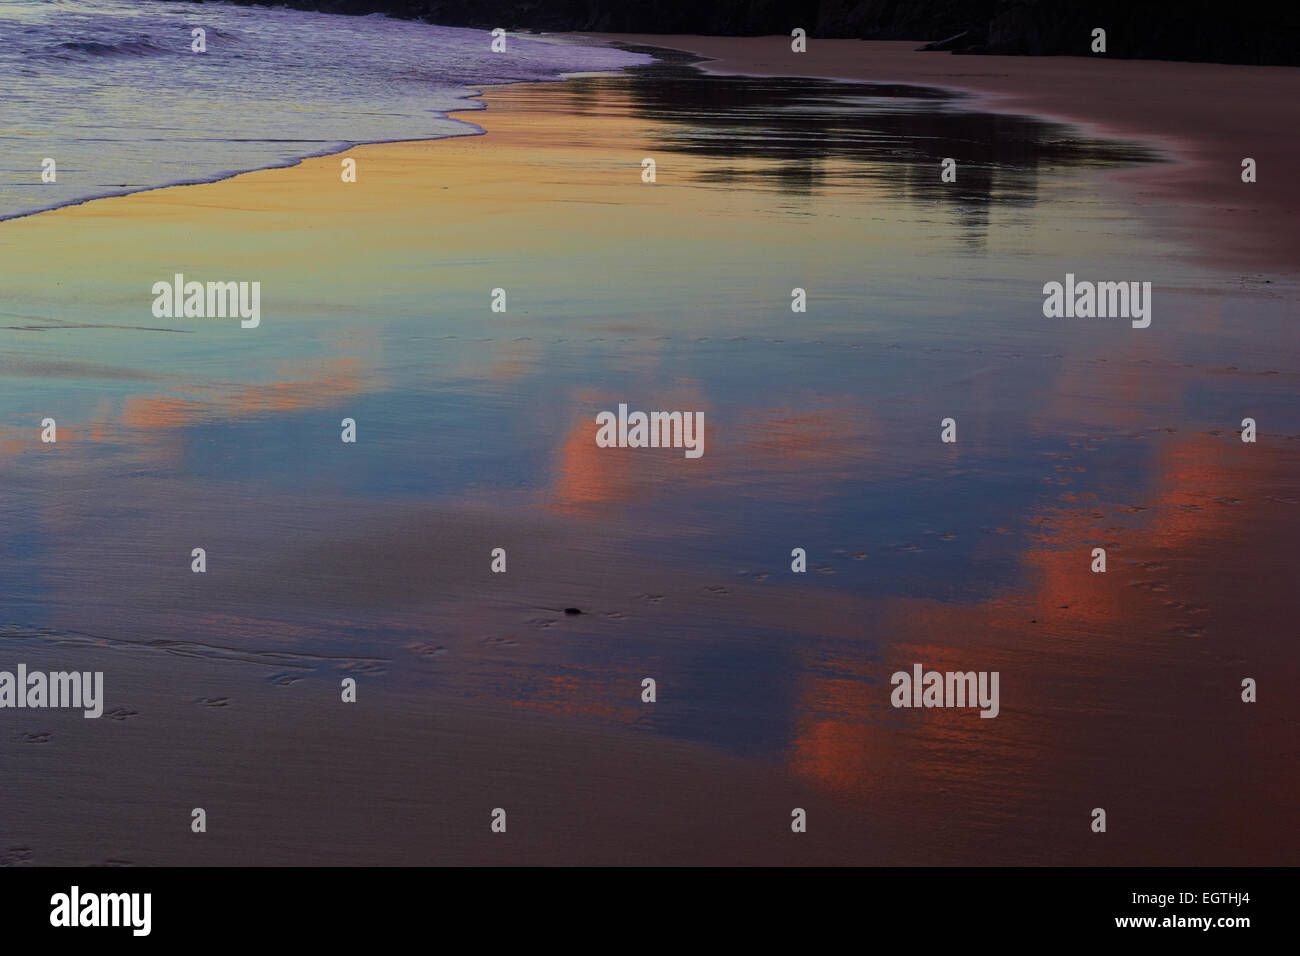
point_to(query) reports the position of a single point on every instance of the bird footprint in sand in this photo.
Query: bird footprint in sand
(425, 649)
(16, 856)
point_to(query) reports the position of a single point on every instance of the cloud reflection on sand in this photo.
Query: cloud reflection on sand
(477, 431)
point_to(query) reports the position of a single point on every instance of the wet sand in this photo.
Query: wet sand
(476, 690)
(1206, 116)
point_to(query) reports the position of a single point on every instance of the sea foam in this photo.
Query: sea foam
(112, 91)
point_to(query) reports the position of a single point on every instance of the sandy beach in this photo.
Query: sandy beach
(1206, 116)
(476, 690)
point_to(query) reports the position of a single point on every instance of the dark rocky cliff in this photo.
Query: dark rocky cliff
(1194, 30)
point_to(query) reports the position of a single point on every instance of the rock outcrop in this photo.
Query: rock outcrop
(1198, 30)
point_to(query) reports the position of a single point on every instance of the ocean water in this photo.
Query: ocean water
(111, 90)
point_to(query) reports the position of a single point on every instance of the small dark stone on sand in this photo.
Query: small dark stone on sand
(572, 610)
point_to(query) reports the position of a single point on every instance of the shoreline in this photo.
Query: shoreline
(1223, 106)
(225, 176)
(1177, 197)
(472, 92)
